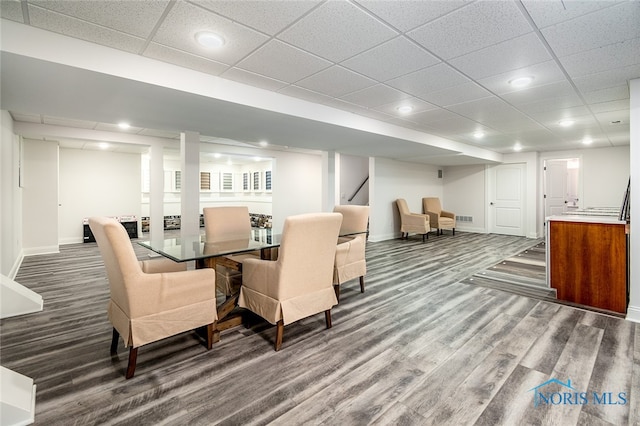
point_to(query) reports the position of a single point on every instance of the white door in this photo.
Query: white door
(506, 199)
(555, 187)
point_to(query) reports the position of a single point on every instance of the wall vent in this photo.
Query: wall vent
(464, 218)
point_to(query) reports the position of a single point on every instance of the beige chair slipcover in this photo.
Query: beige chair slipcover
(350, 254)
(438, 218)
(298, 284)
(148, 306)
(412, 222)
(225, 224)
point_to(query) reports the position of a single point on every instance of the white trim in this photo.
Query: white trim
(16, 266)
(41, 250)
(633, 314)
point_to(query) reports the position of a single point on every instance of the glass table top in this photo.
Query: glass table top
(195, 247)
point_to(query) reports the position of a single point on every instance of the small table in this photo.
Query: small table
(198, 249)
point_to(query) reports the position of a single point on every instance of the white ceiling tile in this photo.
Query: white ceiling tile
(609, 78)
(618, 55)
(593, 30)
(550, 12)
(408, 14)
(425, 81)
(418, 105)
(252, 79)
(471, 28)
(543, 73)
(12, 10)
(281, 13)
(77, 28)
(509, 55)
(613, 119)
(495, 113)
(457, 94)
(337, 31)
(306, 94)
(56, 121)
(375, 96)
(185, 20)
(336, 81)
(616, 93)
(610, 106)
(283, 62)
(391, 59)
(454, 125)
(132, 17)
(552, 104)
(551, 114)
(561, 89)
(184, 59)
(160, 133)
(433, 116)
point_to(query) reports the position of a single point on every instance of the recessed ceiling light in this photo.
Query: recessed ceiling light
(103, 145)
(405, 109)
(566, 123)
(124, 125)
(257, 158)
(521, 81)
(217, 155)
(209, 40)
(587, 141)
(264, 143)
(517, 147)
(478, 135)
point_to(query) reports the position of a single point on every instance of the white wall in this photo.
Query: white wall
(96, 183)
(633, 312)
(353, 171)
(464, 195)
(390, 180)
(40, 197)
(10, 199)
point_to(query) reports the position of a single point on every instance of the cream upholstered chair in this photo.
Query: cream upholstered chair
(412, 222)
(228, 224)
(298, 284)
(439, 219)
(148, 306)
(350, 254)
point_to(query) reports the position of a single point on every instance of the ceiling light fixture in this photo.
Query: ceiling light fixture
(587, 141)
(124, 125)
(217, 155)
(209, 40)
(264, 143)
(566, 123)
(405, 109)
(521, 81)
(478, 135)
(517, 147)
(103, 145)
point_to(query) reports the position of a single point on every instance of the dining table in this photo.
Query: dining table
(187, 248)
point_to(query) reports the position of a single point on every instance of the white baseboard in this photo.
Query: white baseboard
(633, 313)
(71, 240)
(16, 266)
(41, 250)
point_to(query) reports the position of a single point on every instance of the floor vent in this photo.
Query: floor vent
(464, 218)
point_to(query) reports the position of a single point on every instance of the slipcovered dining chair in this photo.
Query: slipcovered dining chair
(298, 284)
(228, 224)
(439, 219)
(350, 254)
(148, 306)
(412, 222)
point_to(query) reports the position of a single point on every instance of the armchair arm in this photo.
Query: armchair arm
(433, 217)
(416, 219)
(349, 252)
(445, 213)
(161, 264)
(261, 276)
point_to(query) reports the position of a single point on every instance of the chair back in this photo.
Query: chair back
(307, 253)
(118, 256)
(226, 223)
(432, 204)
(354, 218)
(403, 208)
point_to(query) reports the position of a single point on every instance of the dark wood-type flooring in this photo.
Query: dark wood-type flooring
(419, 347)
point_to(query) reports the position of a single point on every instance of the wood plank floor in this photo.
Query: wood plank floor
(419, 347)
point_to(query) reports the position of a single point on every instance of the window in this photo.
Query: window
(267, 180)
(256, 181)
(178, 180)
(205, 181)
(226, 181)
(246, 181)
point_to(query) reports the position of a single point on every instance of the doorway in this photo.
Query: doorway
(506, 199)
(561, 185)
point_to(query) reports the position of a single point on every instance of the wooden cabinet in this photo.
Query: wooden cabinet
(587, 262)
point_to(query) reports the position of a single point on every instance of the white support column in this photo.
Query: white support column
(633, 311)
(190, 181)
(328, 181)
(156, 192)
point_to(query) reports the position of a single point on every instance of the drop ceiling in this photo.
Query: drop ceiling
(451, 60)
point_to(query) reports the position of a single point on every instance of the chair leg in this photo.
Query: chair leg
(133, 356)
(114, 342)
(362, 284)
(454, 231)
(279, 333)
(327, 317)
(336, 288)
